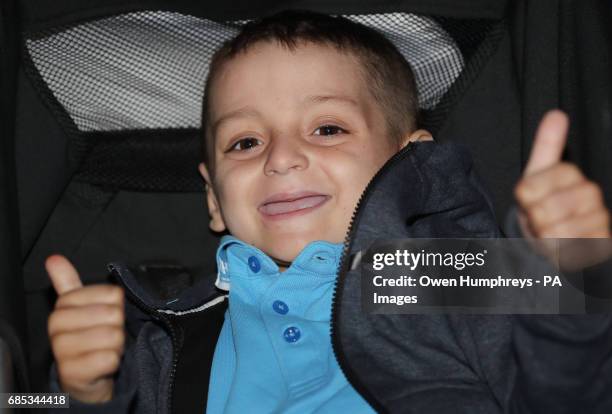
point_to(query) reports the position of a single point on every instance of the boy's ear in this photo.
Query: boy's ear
(216, 219)
(416, 136)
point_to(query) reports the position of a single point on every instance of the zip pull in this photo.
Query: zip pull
(355, 260)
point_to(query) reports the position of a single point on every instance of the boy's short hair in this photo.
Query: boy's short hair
(386, 72)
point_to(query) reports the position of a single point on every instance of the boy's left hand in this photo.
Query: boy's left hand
(555, 198)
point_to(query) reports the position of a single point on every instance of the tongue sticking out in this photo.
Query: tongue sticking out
(282, 207)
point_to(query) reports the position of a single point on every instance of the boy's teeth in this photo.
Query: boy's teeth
(281, 207)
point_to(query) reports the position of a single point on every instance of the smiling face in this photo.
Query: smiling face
(296, 138)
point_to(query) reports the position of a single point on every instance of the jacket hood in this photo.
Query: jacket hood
(427, 190)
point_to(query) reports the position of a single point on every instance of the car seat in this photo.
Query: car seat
(100, 121)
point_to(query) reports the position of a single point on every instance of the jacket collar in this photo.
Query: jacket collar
(190, 298)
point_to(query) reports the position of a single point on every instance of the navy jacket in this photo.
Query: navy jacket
(399, 363)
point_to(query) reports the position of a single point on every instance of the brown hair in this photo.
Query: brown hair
(389, 76)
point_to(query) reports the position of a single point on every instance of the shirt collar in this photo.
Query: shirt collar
(319, 258)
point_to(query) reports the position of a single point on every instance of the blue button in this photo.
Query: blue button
(292, 334)
(280, 307)
(254, 264)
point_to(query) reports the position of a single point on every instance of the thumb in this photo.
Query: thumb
(62, 273)
(549, 142)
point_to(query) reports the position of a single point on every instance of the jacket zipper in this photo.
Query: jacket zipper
(170, 328)
(343, 268)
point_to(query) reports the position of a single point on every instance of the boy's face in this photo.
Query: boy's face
(297, 137)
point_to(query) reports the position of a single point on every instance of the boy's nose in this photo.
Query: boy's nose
(285, 156)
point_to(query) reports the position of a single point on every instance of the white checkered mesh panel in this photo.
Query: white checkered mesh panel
(147, 69)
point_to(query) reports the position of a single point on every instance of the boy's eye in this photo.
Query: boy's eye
(245, 144)
(329, 130)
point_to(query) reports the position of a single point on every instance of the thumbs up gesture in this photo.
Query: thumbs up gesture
(86, 332)
(555, 198)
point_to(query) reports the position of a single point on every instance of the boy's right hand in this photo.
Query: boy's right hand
(86, 330)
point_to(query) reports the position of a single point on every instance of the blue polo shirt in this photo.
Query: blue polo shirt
(274, 351)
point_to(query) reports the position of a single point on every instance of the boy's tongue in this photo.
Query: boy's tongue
(281, 207)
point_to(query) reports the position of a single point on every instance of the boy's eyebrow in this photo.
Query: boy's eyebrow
(309, 100)
(238, 113)
(314, 99)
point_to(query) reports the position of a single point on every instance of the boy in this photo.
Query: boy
(301, 110)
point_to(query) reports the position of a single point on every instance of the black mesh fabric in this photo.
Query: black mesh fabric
(129, 87)
(147, 160)
(477, 40)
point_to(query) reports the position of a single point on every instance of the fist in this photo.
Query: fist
(86, 331)
(555, 198)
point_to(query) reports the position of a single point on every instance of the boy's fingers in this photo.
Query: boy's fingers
(539, 185)
(594, 224)
(89, 367)
(77, 318)
(64, 276)
(92, 294)
(549, 142)
(97, 338)
(576, 200)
